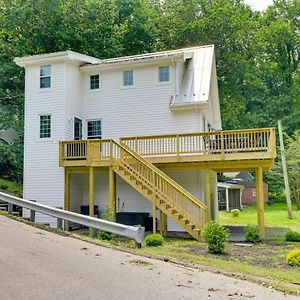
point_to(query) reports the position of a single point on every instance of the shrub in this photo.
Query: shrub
(235, 212)
(154, 240)
(293, 258)
(252, 234)
(105, 235)
(292, 236)
(215, 235)
(3, 186)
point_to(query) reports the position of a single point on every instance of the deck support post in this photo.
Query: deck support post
(67, 196)
(91, 197)
(161, 222)
(260, 201)
(207, 193)
(154, 215)
(112, 193)
(165, 221)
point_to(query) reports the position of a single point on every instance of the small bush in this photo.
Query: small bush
(293, 258)
(292, 236)
(154, 240)
(215, 235)
(252, 234)
(235, 212)
(105, 235)
(3, 187)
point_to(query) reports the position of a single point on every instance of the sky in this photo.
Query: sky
(259, 5)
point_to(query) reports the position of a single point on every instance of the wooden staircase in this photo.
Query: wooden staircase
(167, 195)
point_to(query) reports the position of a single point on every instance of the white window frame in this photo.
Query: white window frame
(90, 82)
(164, 81)
(123, 79)
(40, 132)
(45, 76)
(87, 129)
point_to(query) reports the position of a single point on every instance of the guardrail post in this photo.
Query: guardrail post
(32, 213)
(59, 221)
(10, 208)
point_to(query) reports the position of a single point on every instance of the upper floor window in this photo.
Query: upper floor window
(94, 82)
(128, 78)
(45, 126)
(94, 129)
(164, 74)
(45, 76)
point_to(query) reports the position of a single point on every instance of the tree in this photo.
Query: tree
(293, 164)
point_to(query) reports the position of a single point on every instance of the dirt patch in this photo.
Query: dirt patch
(264, 255)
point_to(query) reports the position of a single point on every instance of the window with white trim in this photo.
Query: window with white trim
(94, 82)
(45, 126)
(45, 76)
(164, 74)
(94, 129)
(128, 78)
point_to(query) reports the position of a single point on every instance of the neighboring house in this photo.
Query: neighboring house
(230, 195)
(152, 119)
(9, 135)
(249, 192)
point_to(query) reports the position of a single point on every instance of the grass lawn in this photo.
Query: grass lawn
(10, 187)
(275, 216)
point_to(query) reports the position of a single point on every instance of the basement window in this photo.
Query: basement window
(45, 76)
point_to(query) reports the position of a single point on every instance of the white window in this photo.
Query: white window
(253, 192)
(164, 74)
(127, 78)
(94, 129)
(45, 76)
(94, 82)
(45, 126)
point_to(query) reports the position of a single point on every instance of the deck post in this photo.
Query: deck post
(260, 201)
(165, 229)
(67, 196)
(154, 216)
(112, 193)
(161, 222)
(207, 193)
(91, 197)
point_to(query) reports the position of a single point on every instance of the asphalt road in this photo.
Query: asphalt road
(36, 264)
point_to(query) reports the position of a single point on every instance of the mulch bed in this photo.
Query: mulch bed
(260, 254)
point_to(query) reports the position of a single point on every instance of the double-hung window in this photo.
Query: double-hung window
(45, 76)
(94, 129)
(94, 82)
(128, 78)
(45, 126)
(164, 74)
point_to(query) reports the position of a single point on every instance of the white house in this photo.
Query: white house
(153, 101)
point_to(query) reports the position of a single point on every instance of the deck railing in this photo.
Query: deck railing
(202, 143)
(216, 142)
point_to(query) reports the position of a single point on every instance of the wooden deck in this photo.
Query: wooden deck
(219, 150)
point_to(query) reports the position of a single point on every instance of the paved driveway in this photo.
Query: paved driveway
(36, 264)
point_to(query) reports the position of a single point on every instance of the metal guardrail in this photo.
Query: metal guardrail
(136, 233)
